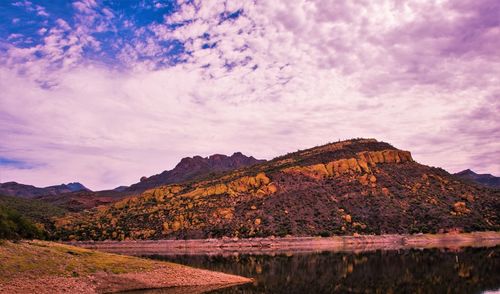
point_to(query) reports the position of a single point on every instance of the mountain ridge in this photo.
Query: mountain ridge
(190, 168)
(488, 180)
(358, 186)
(29, 191)
(76, 197)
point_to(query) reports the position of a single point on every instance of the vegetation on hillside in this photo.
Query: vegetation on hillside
(350, 187)
(41, 258)
(14, 226)
(47, 267)
(36, 210)
(27, 218)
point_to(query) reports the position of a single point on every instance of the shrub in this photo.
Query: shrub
(15, 226)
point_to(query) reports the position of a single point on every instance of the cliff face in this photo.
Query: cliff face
(356, 186)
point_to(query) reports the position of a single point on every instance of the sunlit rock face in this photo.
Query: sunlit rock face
(359, 186)
(190, 168)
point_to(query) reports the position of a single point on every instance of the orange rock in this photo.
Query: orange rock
(376, 157)
(272, 188)
(460, 208)
(252, 182)
(220, 189)
(405, 156)
(262, 179)
(363, 164)
(329, 169)
(363, 179)
(343, 166)
(335, 167)
(373, 179)
(389, 156)
(317, 171)
(176, 225)
(385, 191)
(347, 218)
(353, 164)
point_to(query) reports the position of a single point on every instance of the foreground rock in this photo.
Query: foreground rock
(46, 267)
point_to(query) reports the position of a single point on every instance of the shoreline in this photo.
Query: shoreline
(48, 267)
(270, 245)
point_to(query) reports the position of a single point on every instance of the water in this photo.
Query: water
(469, 270)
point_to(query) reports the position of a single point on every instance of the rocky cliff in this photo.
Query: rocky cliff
(357, 186)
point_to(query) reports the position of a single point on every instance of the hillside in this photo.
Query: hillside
(15, 226)
(81, 200)
(75, 197)
(46, 267)
(483, 179)
(33, 209)
(357, 186)
(29, 191)
(191, 168)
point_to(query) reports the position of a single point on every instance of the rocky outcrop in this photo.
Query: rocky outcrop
(259, 185)
(362, 163)
(190, 168)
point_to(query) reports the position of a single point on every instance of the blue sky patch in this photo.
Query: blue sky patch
(8, 162)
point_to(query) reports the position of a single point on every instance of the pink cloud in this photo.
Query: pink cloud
(281, 76)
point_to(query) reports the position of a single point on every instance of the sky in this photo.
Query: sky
(104, 92)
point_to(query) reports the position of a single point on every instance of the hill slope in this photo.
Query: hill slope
(191, 168)
(80, 199)
(357, 186)
(483, 179)
(29, 191)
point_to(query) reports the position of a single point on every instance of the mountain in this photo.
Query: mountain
(358, 186)
(76, 197)
(29, 191)
(483, 179)
(196, 167)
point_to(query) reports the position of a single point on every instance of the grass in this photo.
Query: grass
(41, 258)
(33, 209)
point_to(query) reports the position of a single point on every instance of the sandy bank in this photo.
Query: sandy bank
(46, 267)
(276, 245)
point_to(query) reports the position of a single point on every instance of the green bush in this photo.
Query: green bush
(15, 226)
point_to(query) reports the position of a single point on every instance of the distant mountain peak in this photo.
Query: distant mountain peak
(483, 179)
(466, 172)
(29, 191)
(75, 186)
(190, 168)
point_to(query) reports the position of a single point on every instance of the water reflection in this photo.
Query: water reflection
(470, 270)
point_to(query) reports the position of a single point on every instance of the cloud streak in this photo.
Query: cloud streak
(105, 97)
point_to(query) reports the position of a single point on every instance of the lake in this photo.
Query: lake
(466, 270)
